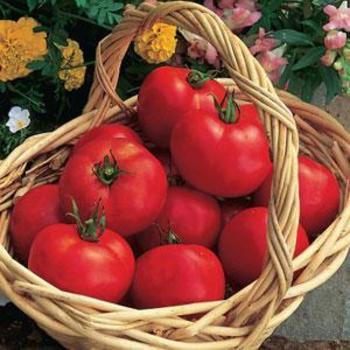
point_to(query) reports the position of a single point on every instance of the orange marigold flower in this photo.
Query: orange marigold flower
(19, 45)
(157, 44)
(72, 69)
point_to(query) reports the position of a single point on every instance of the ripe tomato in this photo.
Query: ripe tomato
(243, 245)
(108, 131)
(220, 154)
(100, 267)
(129, 181)
(231, 207)
(192, 216)
(319, 195)
(177, 274)
(38, 208)
(166, 94)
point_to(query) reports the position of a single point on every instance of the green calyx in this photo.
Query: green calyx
(91, 229)
(167, 236)
(228, 114)
(173, 238)
(107, 171)
(197, 79)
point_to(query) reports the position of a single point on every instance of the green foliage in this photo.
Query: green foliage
(299, 25)
(102, 11)
(9, 141)
(293, 37)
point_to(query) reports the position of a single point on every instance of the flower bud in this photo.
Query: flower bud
(329, 57)
(335, 40)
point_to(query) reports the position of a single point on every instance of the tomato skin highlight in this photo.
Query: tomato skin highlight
(165, 96)
(193, 216)
(243, 245)
(223, 159)
(33, 211)
(101, 270)
(177, 274)
(319, 195)
(132, 201)
(108, 131)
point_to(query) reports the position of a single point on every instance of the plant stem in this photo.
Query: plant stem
(83, 19)
(90, 63)
(11, 7)
(20, 93)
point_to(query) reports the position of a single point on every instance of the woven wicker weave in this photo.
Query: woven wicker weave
(244, 320)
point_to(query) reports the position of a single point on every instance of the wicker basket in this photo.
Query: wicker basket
(244, 320)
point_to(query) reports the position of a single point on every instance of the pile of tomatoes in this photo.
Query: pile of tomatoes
(172, 223)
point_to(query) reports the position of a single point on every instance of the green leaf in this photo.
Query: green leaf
(103, 11)
(32, 4)
(312, 81)
(316, 27)
(332, 81)
(81, 3)
(295, 84)
(311, 56)
(293, 37)
(2, 87)
(36, 65)
(274, 5)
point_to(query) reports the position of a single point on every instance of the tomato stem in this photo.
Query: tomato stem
(170, 236)
(91, 229)
(107, 171)
(228, 114)
(173, 238)
(197, 79)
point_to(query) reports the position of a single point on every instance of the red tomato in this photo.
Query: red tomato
(177, 274)
(223, 158)
(100, 269)
(231, 207)
(129, 181)
(243, 245)
(38, 208)
(108, 131)
(192, 216)
(166, 95)
(319, 195)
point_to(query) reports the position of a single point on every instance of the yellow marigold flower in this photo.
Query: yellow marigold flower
(72, 57)
(19, 45)
(157, 44)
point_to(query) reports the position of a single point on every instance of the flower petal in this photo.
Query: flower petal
(14, 111)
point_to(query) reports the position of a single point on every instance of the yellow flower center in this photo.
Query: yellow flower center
(20, 124)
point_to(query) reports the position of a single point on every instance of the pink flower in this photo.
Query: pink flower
(212, 6)
(239, 18)
(273, 63)
(249, 5)
(338, 18)
(236, 14)
(328, 58)
(226, 4)
(262, 43)
(335, 40)
(201, 49)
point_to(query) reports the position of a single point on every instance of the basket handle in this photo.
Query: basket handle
(279, 124)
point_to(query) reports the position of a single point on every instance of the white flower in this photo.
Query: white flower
(18, 119)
